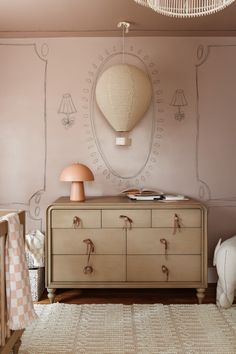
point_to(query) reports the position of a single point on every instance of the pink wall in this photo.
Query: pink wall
(194, 156)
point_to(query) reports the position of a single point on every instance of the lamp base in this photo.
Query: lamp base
(77, 192)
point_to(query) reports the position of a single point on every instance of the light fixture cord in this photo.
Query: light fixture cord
(125, 29)
(123, 44)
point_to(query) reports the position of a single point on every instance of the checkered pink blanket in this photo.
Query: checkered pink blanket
(19, 302)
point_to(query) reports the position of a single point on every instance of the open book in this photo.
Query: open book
(141, 192)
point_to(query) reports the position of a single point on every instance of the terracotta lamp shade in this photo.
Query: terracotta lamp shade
(77, 173)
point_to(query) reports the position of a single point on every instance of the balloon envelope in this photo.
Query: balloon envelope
(123, 94)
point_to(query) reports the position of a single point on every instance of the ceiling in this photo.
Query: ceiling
(60, 18)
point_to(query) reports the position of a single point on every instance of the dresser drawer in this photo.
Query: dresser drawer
(65, 218)
(153, 241)
(166, 218)
(71, 268)
(149, 268)
(116, 218)
(70, 241)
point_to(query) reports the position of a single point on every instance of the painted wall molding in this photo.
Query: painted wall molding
(207, 191)
(18, 52)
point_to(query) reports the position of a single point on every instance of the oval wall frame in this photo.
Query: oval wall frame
(130, 165)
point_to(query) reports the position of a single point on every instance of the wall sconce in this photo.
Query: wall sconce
(67, 107)
(77, 173)
(179, 101)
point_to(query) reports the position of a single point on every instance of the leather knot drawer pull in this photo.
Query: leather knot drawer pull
(88, 269)
(177, 224)
(164, 242)
(76, 222)
(128, 222)
(165, 270)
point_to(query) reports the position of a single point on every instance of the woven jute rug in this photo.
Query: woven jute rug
(129, 329)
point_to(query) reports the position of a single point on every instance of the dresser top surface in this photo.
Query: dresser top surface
(123, 201)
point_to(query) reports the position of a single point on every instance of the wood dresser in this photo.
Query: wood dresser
(113, 242)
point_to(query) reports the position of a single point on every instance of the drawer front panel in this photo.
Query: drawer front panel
(166, 218)
(148, 241)
(68, 241)
(149, 268)
(70, 268)
(140, 218)
(64, 218)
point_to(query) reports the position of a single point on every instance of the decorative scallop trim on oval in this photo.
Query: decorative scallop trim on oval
(99, 161)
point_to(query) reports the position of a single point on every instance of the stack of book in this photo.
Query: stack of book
(145, 194)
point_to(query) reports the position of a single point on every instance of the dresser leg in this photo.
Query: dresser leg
(51, 295)
(16, 346)
(200, 294)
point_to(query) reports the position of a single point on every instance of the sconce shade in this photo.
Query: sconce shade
(179, 98)
(123, 94)
(77, 173)
(67, 106)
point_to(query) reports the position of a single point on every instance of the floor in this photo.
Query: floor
(130, 296)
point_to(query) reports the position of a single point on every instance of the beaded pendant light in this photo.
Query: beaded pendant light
(185, 8)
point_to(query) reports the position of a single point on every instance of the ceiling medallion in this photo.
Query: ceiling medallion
(185, 8)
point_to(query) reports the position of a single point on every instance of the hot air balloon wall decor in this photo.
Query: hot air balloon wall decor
(123, 94)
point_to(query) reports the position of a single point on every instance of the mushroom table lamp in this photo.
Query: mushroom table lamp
(77, 173)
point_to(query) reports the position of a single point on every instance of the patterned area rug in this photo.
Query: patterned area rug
(131, 329)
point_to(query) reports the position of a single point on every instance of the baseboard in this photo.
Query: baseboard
(212, 275)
